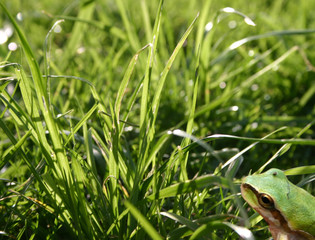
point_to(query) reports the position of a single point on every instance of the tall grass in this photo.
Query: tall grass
(138, 122)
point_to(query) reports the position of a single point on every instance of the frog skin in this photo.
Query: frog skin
(288, 209)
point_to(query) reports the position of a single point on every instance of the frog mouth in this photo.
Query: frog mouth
(250, 187)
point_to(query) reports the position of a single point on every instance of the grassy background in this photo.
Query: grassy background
(97, 126)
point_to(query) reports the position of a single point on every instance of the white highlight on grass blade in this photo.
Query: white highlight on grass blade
(228, 10)
(183, 134)
(249, 21)
(151, 45)
(56, 25)
(237, 44)
(208, 26)
(275, 68)
(243, 232)
(3, 233)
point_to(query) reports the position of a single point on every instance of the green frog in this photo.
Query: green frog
(288, 209)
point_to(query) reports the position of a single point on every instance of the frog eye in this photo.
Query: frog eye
(265, 201)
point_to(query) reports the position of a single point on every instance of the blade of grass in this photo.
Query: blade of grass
(81, 122)
(79, 29)
(157, 95)
(31, 106)
(89, 148)
(132, 37)
(202, 23)
(47, 56)
(146, 20)
(8, 153)
(298, 141)
(219, 100)
(310, 169)
(147, 77)
(236, 156)
(27, 160)
(154, 108)
(63, 169)
(143, 221)
(185, 221)
(190, 123)
(124, 83)
(206, 230)
(261, 36)
(189, 186)
(285, 147)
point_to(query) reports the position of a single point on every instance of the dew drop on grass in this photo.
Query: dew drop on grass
(232, 24)
(12, 46)
(5, 33)
(254, 125)
(208, 26)
(254, 87)
(267, 97)
(81, 50)
(19, 16)
(222, 85)
(58, 29)
(234, 108)
(3, 37)
(128, 129)
(10, 88)
(3, 169)
(236, 128)
(275, 68)
(251, 53)
(8, 30)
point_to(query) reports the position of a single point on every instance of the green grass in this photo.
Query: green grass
(134, 122)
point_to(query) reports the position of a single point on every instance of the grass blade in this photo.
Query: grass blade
(143, 221)
(42, 99)
(189, 186)
(81, 122)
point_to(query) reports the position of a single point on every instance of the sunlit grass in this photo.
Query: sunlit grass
(137, 121)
